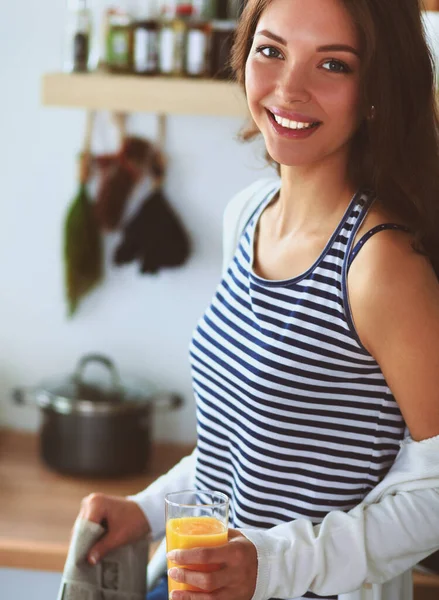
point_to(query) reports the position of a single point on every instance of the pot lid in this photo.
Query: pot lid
(105, 390)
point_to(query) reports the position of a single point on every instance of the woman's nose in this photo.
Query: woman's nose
(294, 84)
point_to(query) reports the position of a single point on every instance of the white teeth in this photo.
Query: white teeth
(291, 124)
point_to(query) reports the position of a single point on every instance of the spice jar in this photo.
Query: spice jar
(223, 33)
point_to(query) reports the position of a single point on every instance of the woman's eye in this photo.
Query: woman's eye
(336, 66)
(268, 51)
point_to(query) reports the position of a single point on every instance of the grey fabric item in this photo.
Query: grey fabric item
(120, 575)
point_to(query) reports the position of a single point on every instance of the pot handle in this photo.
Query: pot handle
(97, 358)
(28, 396)
(164, 402)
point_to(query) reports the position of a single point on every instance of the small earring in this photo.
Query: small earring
(372, 113)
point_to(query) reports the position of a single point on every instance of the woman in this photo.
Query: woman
(315, 367)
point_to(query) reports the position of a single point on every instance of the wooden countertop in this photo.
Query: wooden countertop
(38, 506)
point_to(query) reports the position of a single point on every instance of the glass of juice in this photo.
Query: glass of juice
(195, 519)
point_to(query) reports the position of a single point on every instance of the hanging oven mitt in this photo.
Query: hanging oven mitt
(154, 236)
(120, 575)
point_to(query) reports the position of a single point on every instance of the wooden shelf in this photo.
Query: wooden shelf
(131, 93)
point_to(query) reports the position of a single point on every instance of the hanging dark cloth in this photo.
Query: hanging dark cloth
(154, 236)
(119, 174)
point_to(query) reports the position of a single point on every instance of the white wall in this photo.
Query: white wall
(144, 323)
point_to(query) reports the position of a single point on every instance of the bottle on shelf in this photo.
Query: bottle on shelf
(172, 38)
(102, 17)
(78, 37)
(146, 40)
(119, 40)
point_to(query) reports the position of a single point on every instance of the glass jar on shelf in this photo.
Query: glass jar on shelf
(172, 39)
(146, 40)
(119, 41)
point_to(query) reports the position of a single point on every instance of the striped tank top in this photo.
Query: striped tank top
(294, 416)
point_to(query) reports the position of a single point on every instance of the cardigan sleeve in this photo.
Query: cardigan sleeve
(239, 210)
(372, 543)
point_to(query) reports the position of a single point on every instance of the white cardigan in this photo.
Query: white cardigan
(364, 554)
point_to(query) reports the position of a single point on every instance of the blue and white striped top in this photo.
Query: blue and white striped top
(294, 416)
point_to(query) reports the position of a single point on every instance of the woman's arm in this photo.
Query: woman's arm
(369, 544)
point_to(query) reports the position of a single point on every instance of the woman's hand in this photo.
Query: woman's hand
(235, 579)
(124, 520)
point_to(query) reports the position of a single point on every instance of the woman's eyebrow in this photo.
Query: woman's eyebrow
(326, 48)
(338, 48)
(273, 36)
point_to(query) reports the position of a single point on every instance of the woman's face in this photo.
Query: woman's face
(302, 80)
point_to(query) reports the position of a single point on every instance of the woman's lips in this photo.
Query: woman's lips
(291, 116)
(286, 132)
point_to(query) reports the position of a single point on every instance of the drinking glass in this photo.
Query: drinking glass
(195, 519)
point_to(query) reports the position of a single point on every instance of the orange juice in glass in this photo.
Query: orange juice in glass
(195, 519)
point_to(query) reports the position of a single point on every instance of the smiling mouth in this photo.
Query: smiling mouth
(294, 125)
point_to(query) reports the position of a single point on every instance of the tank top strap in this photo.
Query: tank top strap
(353, 218)
(371, 233)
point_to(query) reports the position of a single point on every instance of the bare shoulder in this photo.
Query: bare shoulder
(389, 257)
(389, 281)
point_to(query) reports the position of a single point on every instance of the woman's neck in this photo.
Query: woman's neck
(312, 198)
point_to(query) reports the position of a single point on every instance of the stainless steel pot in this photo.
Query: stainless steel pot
(99, 429)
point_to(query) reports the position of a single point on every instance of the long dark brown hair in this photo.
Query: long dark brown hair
(396, 153)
